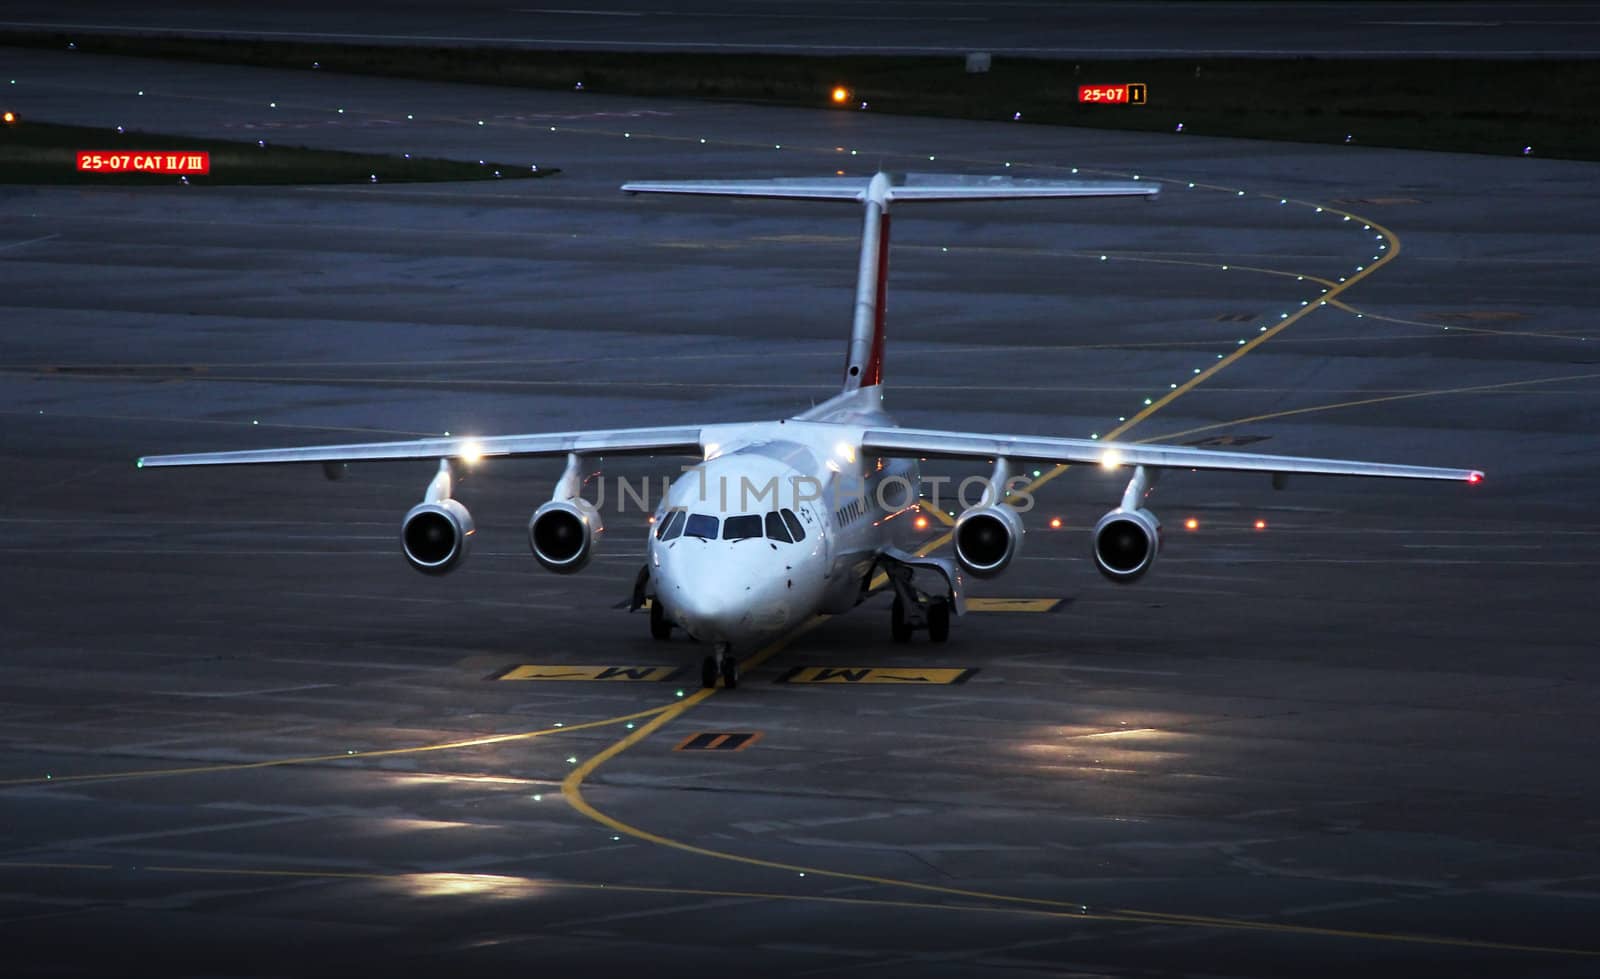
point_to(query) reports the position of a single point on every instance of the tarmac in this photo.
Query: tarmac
(239, 736)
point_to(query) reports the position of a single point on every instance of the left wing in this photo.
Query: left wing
(674, 440)
(935, 444)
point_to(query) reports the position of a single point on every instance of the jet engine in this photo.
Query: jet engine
(1125, 543)
(987, 538)
(435, 535)
(562, 534)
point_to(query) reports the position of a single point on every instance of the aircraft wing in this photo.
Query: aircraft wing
(674, 440)
(934, 444)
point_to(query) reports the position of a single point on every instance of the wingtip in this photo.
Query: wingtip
(1474, 477)
(138, 463)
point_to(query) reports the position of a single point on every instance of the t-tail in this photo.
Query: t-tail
(863, 367)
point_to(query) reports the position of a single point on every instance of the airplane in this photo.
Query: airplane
(781, 520)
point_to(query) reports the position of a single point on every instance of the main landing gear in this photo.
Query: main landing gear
(723, 663)
(914, 608)
(923, 612)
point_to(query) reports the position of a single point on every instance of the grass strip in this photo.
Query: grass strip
(33, 152)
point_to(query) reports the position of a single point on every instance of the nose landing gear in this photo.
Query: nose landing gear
(660, 625)
(723, 663)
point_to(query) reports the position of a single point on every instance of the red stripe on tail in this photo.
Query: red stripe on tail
(872, 373)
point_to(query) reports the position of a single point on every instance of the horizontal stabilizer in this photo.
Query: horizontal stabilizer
(899, 187)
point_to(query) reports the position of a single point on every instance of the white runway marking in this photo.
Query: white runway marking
(242, 693)
(30, 241)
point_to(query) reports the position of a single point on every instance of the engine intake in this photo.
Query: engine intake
(1125, 544)
(562, 532)
(987, 538)
(435, 535)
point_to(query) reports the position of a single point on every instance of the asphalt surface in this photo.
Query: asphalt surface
(1031, 28)
(241, 737)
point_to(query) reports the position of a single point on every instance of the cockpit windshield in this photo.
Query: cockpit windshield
(741, 527)
(775, 528)
(775, 525)
(671, 526)
(701, 525)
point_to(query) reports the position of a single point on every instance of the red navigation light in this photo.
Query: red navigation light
(1475, 478)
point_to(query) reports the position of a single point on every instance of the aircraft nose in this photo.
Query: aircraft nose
(719, 594)
(705, 612)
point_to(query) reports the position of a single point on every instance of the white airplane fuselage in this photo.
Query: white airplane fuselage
(722, 586)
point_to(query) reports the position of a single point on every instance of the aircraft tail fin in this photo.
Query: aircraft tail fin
(864, 356)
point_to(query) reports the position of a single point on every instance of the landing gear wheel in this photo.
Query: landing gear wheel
(660, 627)
(899, 628)
(730, 671)
(938, 620)
(708, 672)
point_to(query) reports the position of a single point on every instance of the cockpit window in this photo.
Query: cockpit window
(738, 528)
(701, 525)
(672, 526)
(793, 523)
(776, 530)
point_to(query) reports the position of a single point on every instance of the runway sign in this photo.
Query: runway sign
(623, 673)
(871, 674)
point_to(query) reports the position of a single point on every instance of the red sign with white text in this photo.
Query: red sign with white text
(123, 161)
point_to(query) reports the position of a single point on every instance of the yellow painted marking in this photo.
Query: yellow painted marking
(624, 673)
(1012, 604)
(1359, 402)
(572, 791)
(870, 674)
(1247, 347)
(718, 741)
(351, 755)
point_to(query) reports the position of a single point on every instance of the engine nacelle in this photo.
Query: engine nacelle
(987, 538)
(435, 535)
(1125, 544)
(562, 532)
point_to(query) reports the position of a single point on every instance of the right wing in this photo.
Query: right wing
(935, 444)
(673, 440)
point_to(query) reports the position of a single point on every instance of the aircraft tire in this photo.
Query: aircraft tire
(938, 620)
(899, 628)
(660, 626)
(708, 672)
